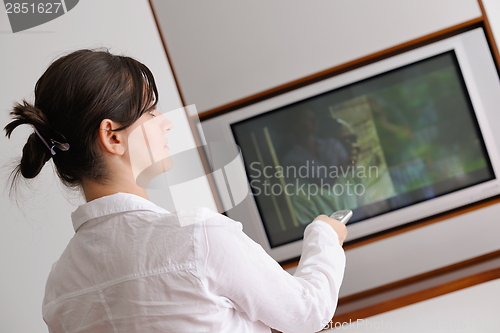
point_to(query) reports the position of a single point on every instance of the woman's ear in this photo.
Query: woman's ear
(113, 142)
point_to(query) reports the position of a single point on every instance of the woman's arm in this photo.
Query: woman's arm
(236, 267)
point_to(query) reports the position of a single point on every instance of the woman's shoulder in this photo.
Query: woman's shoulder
(204, 216)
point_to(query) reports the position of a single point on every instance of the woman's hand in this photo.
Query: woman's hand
(338, 226)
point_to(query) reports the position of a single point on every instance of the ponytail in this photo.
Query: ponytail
(35, 154)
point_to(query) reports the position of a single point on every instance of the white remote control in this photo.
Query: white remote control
(342, 215)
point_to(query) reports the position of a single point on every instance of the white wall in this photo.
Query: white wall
(492, 8)
(225, 50)
(34, 234)
(474, 309)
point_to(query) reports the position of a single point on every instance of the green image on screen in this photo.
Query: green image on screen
(396, 139)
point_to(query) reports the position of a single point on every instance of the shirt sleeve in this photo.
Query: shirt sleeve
(236, 267)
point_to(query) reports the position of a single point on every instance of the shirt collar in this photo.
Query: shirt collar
(111, 204)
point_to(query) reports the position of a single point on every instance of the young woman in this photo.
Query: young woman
(131, 266)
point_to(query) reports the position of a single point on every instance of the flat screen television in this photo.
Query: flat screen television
(395, 141)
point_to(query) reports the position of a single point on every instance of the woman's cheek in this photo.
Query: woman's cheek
(138, 151)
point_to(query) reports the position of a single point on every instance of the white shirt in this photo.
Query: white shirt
(131, 267)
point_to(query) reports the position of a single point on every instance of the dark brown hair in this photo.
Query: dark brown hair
(72, 98)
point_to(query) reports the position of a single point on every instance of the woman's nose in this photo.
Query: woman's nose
(166, 124)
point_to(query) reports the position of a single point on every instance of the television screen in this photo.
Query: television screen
(374, 146)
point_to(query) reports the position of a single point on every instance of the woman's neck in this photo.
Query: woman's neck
(94, 190)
